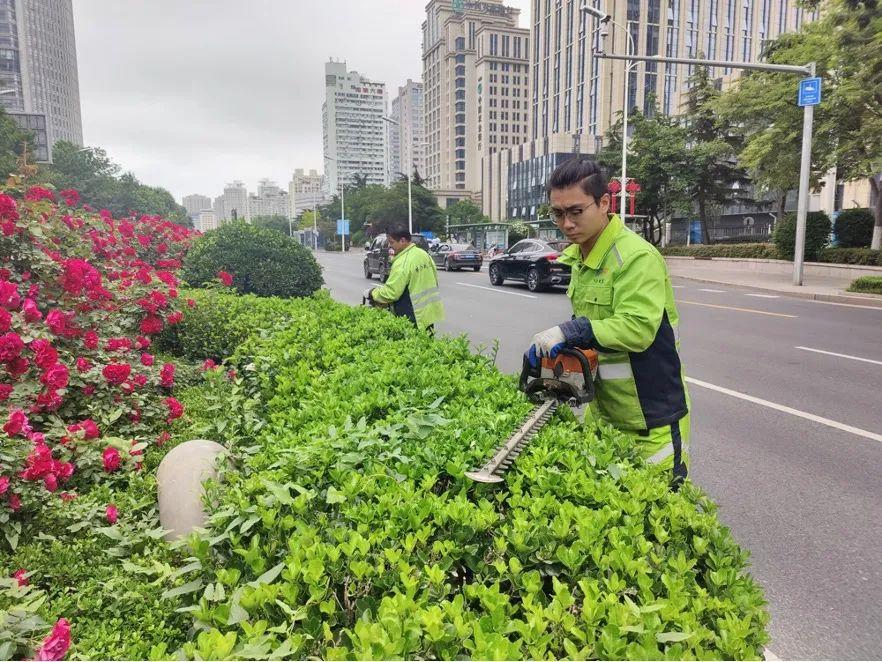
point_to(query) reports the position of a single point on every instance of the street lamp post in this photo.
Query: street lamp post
(805, 158)
(605, 20)
(342, 208)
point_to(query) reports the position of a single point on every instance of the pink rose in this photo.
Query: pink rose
(71, 197)
(111, 459)
(11, 346)
(56, 376)
(5, 320)
(56, 645)
(167, 375)
(31, 312)
(5, 392)
(20, 576)
(146, 359)
(90, 340)
(45, 355)
(116, 373)
(225, 278)
(37, 193)
(112, 513)
(83, 365)
(9, 296)
(175, 409)
(16, 423)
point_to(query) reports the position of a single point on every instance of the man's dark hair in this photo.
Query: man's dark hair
(582, 171)
(398, 231)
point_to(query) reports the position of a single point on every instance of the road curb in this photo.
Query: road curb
(871, 302)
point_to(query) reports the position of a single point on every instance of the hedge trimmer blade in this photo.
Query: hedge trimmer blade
(492, 471)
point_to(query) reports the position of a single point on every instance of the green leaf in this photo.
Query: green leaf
(671, 637)
(335, 496)
(189, 587)
(269, 576)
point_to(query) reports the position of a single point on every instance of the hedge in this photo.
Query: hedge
(854, 228)
(871, 284)
(348, 530)
(261, 261)
(763, 251)
(863, 256)
(817, 235)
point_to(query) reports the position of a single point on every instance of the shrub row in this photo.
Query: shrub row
(862, 256)
(348, 530)
(870, 284)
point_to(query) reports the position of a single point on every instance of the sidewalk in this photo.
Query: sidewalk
(754, 275)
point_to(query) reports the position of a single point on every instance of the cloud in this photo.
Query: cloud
(191, 94)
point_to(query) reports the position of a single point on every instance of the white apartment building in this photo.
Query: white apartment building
(269, 201)
(575, 97)
(205, 220)
(39, 55)
(355, 133)
(233, 203)
(476, 81)
(195, 203)
(304, 191)
(407, 148)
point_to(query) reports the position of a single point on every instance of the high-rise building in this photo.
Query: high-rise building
(393, 140)
(218, 208)
(304, 191)
(355, 133)
(205, 220)
(476, 85)
(575, 96)
(407, 145)
(234, 202)
(195, 203)
(38, 75)
(269, 201)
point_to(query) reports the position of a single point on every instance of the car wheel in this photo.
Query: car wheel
(533, 283)
(367, 271)
(477, 267)
(495, 276)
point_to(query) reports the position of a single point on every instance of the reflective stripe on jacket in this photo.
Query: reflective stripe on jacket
(622, 288)
(412, 288)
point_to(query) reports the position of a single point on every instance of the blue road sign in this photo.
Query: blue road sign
(809, 92)
(342, 226)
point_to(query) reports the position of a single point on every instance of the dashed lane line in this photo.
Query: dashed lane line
(842, 356)
(712, 291)
(498, 291)
(763, 296)
(740, 310)
(866, 434)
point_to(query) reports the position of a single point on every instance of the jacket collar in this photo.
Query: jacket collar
(409, 246)
(572, 255)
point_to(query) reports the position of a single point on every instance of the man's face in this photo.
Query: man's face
(578, 215)
(398, 245)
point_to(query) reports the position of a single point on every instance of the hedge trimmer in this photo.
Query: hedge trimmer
(565, 379)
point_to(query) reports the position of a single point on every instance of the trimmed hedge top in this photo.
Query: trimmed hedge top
(262, 261)
(348, 530)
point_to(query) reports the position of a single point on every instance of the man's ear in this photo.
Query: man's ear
(605, 201)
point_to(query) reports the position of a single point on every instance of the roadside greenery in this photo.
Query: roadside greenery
(854, 228)
(871, 284)
(761, 251)
(817, 235)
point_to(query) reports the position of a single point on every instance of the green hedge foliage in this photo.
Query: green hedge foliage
(262, 261)
(764, 251)
(854, 228)
(871, 284)
(347, 529)
(817, 235)
(863, 256)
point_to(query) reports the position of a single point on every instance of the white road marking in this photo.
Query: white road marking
(788, 410)
(769, 655)
(491, 289)
(741, 310)
(714, 291)
(678, 287)
(847, 305)
(763, 296)
(843, 356)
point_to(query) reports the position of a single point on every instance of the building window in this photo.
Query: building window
(460, 43)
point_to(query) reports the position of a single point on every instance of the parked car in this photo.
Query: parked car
(532, 261)
(453, 257)
(378, 255)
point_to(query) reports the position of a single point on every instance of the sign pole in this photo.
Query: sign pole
(808, 97)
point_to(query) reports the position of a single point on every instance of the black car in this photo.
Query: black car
(532, 261)
(453, 257)
(378, 255)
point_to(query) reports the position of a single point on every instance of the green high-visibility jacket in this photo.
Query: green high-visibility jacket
(412, 288)
(623, 306)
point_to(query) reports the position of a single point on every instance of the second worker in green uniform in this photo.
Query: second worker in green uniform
(623, 306)
(412, 287)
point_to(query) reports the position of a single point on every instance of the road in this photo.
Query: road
(786, 435)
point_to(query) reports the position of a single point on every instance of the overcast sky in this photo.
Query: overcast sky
(191, 94)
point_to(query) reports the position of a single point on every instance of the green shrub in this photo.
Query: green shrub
(864, 256)
(871, 284)
(262, 261)
(854, 228)
(764, 251)
(348, 530)
(817, 235)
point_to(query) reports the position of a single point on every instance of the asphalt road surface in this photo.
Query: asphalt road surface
(786, 435)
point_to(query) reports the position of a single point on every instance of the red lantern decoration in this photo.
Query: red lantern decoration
(614, 188)
(633, 188)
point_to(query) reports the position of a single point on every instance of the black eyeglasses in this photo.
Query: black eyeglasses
(574, 213)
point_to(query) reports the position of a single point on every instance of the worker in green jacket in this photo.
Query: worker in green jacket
(412, 287)
(623, 306)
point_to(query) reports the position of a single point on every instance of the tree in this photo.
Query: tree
(762, 105)
(12, 143)
(417, 179)
(658, 158)
(275, 222)
(714, 175)
(466, 211)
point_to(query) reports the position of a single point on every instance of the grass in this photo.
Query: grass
(867, 284)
